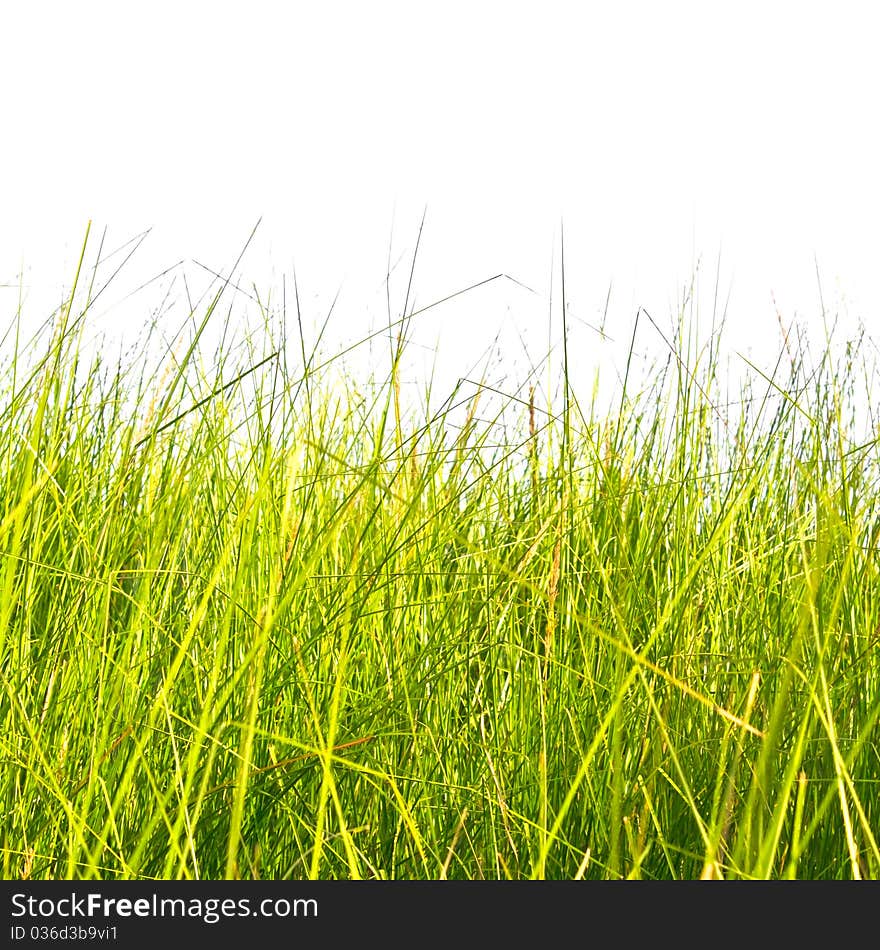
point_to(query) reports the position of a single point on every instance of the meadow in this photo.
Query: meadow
(262, 619)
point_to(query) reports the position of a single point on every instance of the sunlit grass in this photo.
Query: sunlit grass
(258, 622)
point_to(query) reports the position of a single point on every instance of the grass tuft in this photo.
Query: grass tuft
(259, 618)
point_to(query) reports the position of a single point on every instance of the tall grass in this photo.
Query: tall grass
(260, 621)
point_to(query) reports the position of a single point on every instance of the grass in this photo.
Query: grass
(260, 619)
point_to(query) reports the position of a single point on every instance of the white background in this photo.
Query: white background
(663, 135)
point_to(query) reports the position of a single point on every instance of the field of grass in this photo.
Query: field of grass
(258, 621)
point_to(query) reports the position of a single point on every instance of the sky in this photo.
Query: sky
(651, 143)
